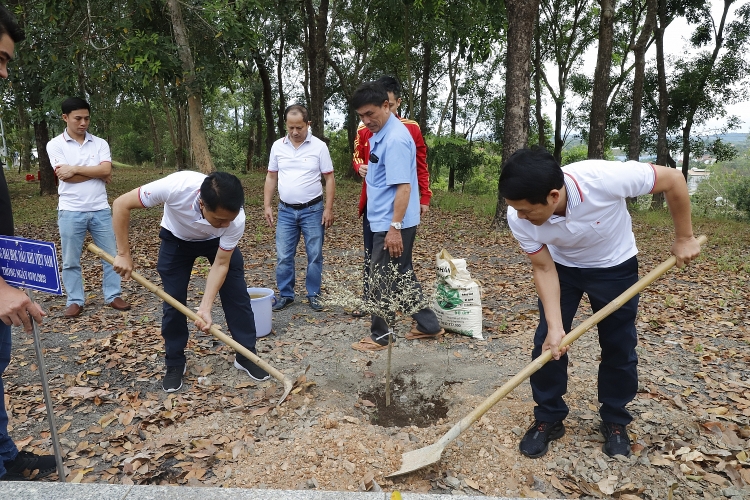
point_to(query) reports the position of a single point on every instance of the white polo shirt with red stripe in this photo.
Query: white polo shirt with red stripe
(180, 194)
(596, 231)
(86, 196)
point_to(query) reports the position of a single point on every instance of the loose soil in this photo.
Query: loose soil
(690, 429)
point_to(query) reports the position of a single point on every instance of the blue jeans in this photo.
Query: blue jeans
(8, 450)
(73, 227)
(175, 265)
(618, 375)
(289, 225)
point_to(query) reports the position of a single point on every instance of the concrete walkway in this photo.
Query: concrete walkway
(67, 491)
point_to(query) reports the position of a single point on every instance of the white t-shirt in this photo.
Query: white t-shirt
(180, 193)
(300, 168)
(87, 196)
(596, 231)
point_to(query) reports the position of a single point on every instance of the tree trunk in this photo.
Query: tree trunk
(280, 81)
(542, 137)
(259, 129)
(265, 77)
(158, 159)
(662, 151)
(559, 143)
(424, 98)
(183, 160)
(198, 141)
(316, 50)
(639, 51)
(46, 174)
(170, 124)
(600, 92)
(522, 15)
(24, 134)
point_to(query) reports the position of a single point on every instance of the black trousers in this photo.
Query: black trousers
(618, 375)
(426, 320)
(175, 265)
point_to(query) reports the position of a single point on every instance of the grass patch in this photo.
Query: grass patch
(482, 205)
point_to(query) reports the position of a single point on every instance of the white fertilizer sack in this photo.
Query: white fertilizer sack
(457, 302)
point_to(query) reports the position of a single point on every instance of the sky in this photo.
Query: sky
(675, 44)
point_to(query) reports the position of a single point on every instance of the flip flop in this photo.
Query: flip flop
(368, 345)
(358, 314)
(415, 334)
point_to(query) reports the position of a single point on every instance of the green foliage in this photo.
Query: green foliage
(338, 146)
(739, 194)
(574, 154)
(452, 152)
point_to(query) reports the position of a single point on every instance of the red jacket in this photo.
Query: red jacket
(362, 154)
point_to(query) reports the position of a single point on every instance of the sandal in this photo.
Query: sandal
(415, 334)
(358, 314)
(368, 345)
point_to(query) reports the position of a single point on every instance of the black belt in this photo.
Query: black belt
(300, 206)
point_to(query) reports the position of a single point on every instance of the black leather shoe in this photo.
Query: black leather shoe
(535, 442)
(282, 303)
(616, 440)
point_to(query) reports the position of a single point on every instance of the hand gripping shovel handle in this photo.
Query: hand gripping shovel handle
(431, 454)
(288, 382)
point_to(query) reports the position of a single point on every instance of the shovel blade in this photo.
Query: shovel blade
(419, 459)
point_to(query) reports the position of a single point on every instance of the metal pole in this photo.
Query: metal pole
(47, 398)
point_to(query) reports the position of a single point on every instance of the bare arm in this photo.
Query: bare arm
(269, 188)
(548, 288)
(330, 191)
(83, 173)
(215, 280)
(121, 208)
(671, 182)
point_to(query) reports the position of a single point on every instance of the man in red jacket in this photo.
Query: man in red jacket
(360, 161)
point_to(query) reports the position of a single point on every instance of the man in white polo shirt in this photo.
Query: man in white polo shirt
(296, 165)
(203, 217)
(574, 225)
(83, 164)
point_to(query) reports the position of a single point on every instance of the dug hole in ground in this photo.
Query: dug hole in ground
(690, 431)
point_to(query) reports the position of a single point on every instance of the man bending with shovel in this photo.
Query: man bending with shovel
(203, 216)
(574, 225)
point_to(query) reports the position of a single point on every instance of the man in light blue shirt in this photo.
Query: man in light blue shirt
(392, 207)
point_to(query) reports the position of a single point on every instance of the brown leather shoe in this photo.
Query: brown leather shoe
(119, 304)
(73, 310)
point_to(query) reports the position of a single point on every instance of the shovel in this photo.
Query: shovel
(287, 381)
(418, 459)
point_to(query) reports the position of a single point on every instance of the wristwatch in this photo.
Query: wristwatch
(396, 225)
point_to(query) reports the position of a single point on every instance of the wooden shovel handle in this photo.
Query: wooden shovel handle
(193, 316)
(571, 337)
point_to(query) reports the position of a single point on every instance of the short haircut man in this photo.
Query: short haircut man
(297, 163)
(15, 306)
(83, 164)
(574, 225)
(360, 160)
(393, 206)
(203, 217)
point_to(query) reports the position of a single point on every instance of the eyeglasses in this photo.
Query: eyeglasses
(373, 158)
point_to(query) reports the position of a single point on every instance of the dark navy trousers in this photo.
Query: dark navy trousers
(618, 376)
(175, 265)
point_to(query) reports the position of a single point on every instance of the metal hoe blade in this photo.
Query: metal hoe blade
(423, 457)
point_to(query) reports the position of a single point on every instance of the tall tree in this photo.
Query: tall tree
(600, 94)
(198, 142)
(639, 50)
(315, 45)
(522, 15)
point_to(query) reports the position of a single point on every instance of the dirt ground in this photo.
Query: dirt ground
(691, 430)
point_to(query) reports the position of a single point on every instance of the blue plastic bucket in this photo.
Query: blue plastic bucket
(261, 299)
